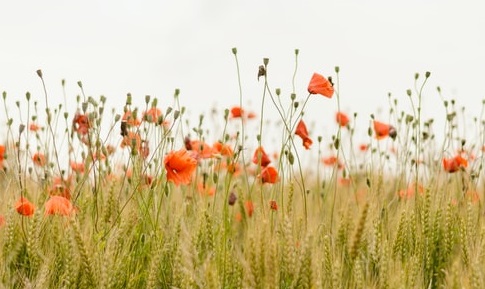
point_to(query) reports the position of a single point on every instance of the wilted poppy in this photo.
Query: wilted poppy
(269, 175)
(302, 132)
(39, 159)
(452, 165)
(57, 205)
(179, 166)
(152, 115)
(24, 207)
(341, 118)
(383, 130)
(261, 157)
(320, 85)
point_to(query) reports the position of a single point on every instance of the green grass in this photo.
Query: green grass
(390, 216)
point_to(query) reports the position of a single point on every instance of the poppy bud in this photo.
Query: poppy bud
(39, 73)
(392, 132)
(234, 50)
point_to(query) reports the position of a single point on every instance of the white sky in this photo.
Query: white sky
(153, 47)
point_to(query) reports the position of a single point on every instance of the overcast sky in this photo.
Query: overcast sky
(153, 47)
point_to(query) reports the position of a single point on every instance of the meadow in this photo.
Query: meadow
(142, 198)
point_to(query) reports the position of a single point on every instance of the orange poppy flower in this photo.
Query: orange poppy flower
(302, 132)
(236, 112)
(222, 149)
(332, 161)
(249, 208)
(452, 165)
(273, 205)
(320, 85)
(269, 175)
(383, 130)
(24, 207)
(39, 159)
(130, 119)
(202, 149)
(205, 189)
(2, 221)
(80, 123)
(260, 156)
(131, 140)
(179, 166)
(410, 191)
(34, 127)
(77, 167)
(152, 115)
(57, 205)
(341, 118)
(363, 147)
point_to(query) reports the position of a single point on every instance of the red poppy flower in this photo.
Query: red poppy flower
(341, 118)
(57, 205)
(39, 159)
(260, 156)
(237, 111)
(152, 115)
(411, 191)
(2, 156)
(452, 165)
(179, 166)
(269, 175)
(302, 132)
(320, 85)
(2, 221)
(273, 205)
(80, 123)
(24, 207)
(332, 161)
(363, 147)
(205, 189)
(383, 130)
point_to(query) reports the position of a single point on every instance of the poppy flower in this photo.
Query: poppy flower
(205, 190)
(152, 115)
(57, 205)
(332, 161)
(273, 205)
(2, 221)
(2, 156)
(34, 127)
(302, 132)
(363, 147)
(80, 123)
(452, 165)
(341, 118)
(133, 141)
(411, 191)
(222, 149)
(249, 207)
(179, 166)
(39, 159)
(269, 175)
(24, 207)
(260, 156)
(130, 118)
(202, 149)
(77, 167)
(320, 85)
(383, 130)
(236, 112)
